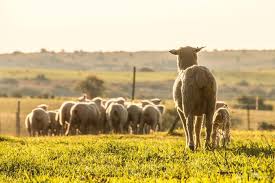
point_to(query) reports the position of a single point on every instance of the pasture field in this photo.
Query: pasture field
(254, 77)
(129, 158)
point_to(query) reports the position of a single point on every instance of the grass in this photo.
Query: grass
(257, 77)
(128, 158)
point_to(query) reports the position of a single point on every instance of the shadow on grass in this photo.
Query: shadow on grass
(254, 150)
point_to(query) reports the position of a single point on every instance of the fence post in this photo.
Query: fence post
(134, 83)
(257, 103)
(18, 119)
(248, 117)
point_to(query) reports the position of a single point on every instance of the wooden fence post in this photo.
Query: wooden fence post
(18, 119)
(248, 117)
(134, 83)
(257, 103)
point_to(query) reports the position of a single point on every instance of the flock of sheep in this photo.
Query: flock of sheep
(95, 116)
(194, 94)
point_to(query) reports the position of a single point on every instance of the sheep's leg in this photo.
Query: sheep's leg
(198, 131)
(141, 126)
(190, 127)
(183, 120)
(83, 129)
(209, 125)
(218, 140)
(33, 133)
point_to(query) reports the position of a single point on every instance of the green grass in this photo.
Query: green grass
(128, 158)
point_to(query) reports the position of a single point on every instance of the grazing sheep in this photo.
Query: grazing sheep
(84, 117)
(146, 102)
(221, 122)
(97, 100)
(39, 122)
(150, 116)
(134, 114)
(55, 126)
(220, 104)
(194, 94)
(117, 115)
(43, 106)
(64, 114)
(119, 100)
(156, 101)
(28, 124)
(83, 98)
(161, 108)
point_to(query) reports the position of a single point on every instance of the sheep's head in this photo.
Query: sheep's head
(187, 56)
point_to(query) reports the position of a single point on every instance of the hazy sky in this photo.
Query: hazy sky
(109, 25)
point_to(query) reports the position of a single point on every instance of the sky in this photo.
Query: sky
(135, 25)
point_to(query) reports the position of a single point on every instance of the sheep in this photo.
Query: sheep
(39, 122)
(83, 98)
(221, 121)
(43, 106)
(84, 117)
(156, 101)
(194, 94)
(150, 116)
(117, 115)
(55, 126)
(64, 115)
(119, 100)
(28, 124)
(134, 114)
(220, 104)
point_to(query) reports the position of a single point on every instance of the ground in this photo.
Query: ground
(129, 158)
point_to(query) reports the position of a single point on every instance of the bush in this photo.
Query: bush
(16, 94)
(245, 101)
(266, 126)
(41, 77)
(243, 83)
(10, 81)
(146, 69)
(92, 86)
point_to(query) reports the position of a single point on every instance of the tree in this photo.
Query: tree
(92, 86)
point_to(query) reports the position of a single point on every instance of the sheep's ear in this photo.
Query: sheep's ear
(174, 52)
(199, 49)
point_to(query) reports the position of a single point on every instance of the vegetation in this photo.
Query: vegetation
(129, 158)
(92, 86)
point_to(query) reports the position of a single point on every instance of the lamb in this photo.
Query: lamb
(117, 115)
(194, 94)
(220, 104)
(150, 116)
(221, 122)
(39, 122)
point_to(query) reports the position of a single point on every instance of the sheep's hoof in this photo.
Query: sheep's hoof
(208, 146)
(192, 147)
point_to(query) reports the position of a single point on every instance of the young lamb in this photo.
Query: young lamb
(194, 94)
(221, 127)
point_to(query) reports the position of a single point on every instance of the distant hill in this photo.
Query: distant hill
(124, 61)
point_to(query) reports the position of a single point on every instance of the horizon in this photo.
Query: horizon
(107, 26)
